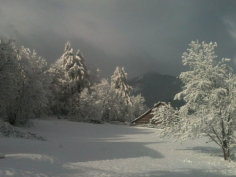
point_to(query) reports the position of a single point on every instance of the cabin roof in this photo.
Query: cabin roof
(149, 111)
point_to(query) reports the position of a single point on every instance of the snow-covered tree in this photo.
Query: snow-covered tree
(110, 101)
(103, 92)
(114, 106)
(210, 95)
(8, 75)
(73, 68)
(165, 116)
(85, 107)
(31, 87)
(119, 84)
(138, 107)
(117, 103)
(70, 76)
(23, 85)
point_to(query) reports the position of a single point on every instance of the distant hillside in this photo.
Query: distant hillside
(156, 87)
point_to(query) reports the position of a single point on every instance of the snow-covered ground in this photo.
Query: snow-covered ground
(85, 150)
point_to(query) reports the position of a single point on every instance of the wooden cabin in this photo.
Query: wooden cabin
(145, 118)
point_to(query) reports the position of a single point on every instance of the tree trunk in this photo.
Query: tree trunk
(226, 150)
(225, 143)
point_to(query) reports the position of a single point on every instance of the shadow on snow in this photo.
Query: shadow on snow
(212, 151)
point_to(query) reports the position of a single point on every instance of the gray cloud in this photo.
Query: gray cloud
(143, 36)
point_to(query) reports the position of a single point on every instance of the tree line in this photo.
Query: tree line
(29, 88)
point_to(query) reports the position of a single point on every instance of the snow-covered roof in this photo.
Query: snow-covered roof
(147, 112)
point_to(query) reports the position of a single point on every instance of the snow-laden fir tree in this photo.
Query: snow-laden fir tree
(210, 94)
(119, 84)
(70, 76)
(74, 70)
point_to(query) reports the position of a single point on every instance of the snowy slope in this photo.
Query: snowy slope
(86, 150)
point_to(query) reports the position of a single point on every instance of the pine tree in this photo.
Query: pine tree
(70, 76)
(119, 84)
(74, 69)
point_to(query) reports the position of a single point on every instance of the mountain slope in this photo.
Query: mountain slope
(156, 87)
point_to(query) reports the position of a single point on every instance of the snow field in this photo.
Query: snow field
(75, 149)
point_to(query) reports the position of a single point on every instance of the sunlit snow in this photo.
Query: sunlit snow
(75, 149)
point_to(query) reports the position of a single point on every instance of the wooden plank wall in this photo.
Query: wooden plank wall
(145, 119)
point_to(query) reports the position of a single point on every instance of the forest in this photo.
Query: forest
(29, 88)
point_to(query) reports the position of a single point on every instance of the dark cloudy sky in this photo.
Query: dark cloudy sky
(141, 35)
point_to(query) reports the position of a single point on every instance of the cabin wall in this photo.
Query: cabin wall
(145, 119)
